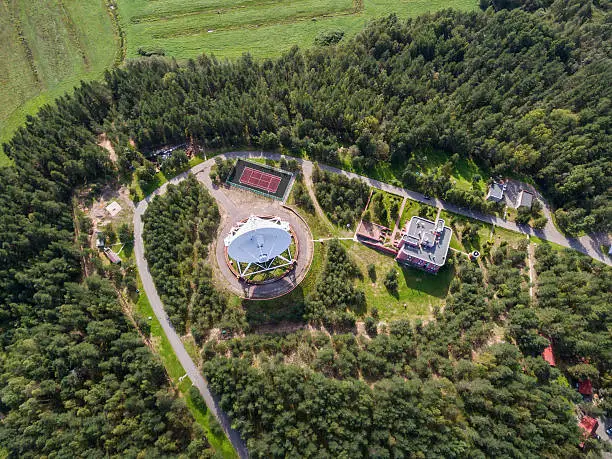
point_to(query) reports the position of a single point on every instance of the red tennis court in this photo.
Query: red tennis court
(261, 180)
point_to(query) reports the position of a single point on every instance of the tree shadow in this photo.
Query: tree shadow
(436, 285)
(288, 307)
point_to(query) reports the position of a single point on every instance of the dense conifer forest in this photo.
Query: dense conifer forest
(178, 227)
(520, 92)
(74, 374)
(448, 388)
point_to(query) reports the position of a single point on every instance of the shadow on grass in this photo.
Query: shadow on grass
(430, 284)
(289, 307)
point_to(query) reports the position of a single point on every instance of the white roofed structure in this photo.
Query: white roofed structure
(263, 244)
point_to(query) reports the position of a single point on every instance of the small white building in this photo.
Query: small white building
(496, 192)
(100, 240)
(525, 199)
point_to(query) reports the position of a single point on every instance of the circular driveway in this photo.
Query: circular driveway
(236, 205)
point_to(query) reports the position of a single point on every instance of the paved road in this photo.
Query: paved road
(175, 341)
(587, 244)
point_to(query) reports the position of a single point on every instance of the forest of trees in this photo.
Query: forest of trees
(75, 376)
(447, 388)
(335, 298)
(519, 92)
(342, 199)
(178, 228)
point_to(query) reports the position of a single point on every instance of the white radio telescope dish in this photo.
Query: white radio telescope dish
(258, 240)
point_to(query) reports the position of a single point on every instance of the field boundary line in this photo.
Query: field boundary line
(29, 55)
(73, 34)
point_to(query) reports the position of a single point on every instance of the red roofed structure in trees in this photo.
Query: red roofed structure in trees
(588, 425)
(585, 387)
(548, 355)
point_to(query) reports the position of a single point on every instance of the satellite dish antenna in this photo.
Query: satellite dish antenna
(260, 243)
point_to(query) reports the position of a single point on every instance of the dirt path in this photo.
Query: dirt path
(396, 228)
(108, 146)
(532, 274)
(307, 169)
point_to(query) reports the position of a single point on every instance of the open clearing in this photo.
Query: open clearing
(264, 28)
(48, 47)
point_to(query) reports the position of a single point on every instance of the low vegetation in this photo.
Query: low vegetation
(342, 199)
(264, 28)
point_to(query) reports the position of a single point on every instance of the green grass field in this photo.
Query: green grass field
(264, 28)
(48, 47)
(418, 291)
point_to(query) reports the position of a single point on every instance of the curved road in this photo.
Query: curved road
(588, 245)
(175, 341)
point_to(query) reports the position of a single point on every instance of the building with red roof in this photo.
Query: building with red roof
(548, 355)
(588, 425)
(585, 387)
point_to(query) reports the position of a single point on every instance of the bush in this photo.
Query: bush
(372, 272)
(125, 233)
(391, 281)
(329, 37)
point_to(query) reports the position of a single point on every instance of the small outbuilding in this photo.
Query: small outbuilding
(496, 192)
(525, 199)
(548, 355)
(113, 208)
(100, 240)
(112, 256)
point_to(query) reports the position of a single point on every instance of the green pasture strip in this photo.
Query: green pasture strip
(263, 28)
(62, 44)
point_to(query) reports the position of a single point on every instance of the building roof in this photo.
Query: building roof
(588, 425)
(113, 208)
(525, 199)
(585, 387)
(548, 355)
(425, 240)
(112, 256)
(496, 191)
(371, 230)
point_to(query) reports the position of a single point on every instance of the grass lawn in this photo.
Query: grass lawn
(418, 291)
(555, 246)
(48, 47)
(264, 28)
(414, 208)
(175, 371)
(462, 173)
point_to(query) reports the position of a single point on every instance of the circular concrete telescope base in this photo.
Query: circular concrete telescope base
(261, 249)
